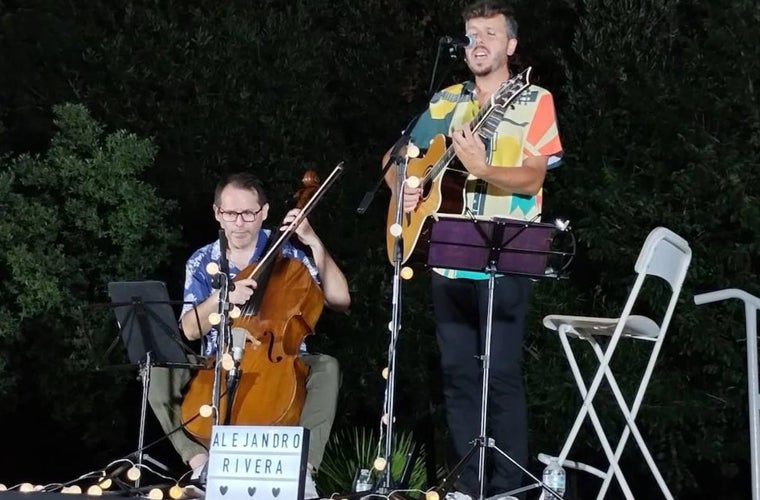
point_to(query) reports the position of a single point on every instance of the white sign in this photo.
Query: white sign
(257, 463)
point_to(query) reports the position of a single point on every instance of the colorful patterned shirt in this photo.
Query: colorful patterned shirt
(198, 281)
(527, 128)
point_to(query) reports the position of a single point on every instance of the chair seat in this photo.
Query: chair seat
(637, 327)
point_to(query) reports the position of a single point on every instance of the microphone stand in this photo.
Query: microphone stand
(399, 157)
(233, 375)
(221, 280)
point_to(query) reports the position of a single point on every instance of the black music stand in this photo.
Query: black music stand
(150, 332)
(494, 246)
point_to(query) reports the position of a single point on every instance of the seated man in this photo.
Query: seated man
(240, 207)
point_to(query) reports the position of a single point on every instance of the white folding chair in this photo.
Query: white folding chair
(664, 255)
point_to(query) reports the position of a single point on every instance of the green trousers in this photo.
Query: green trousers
(167, 386)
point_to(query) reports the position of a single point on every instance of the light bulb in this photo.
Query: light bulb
(385, 373)
(94, 491)
(3, 487)
(133, 473)
(412, 151)
(395, 230)
(235, 312)
(26, 487)
(212, 268)
(214, 318)
(379, 464)
(205, 411)
(227, 362)
(105, 483)
(432, 495)
(75, 489)
(407, 273)
(175, 492)
(413, 181)
(155, 494)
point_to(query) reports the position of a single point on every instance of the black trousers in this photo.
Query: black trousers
(460, 308)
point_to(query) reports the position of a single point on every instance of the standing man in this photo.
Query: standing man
(241, 207)
(506, 175)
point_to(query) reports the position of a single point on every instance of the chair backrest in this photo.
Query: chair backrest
(665, 254)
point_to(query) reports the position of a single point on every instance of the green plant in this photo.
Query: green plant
(356, 448)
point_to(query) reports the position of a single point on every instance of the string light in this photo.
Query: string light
(26, 487)
(72, 490)
(385, 373)
(395, 230)
(379, 464)
(155, 494)
(413, 181)
(227, 362)
(175, 492)
(407, 273)
(105, 483)
(214, 318)
(432, 495)
(206, 411)
(133, 473)
(3, 487)
(95, 490)
(212, 268)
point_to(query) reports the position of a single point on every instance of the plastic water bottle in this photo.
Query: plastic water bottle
(363, 480)
(554, 477)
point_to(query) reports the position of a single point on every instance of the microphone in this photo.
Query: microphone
(466, 41)
(238, 344)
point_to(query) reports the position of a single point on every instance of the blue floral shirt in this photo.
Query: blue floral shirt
(198, 282)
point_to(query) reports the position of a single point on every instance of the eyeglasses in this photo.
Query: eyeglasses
(232, 216)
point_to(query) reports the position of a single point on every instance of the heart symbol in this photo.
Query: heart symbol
(275, 492)
(223, 490)
(251, 491)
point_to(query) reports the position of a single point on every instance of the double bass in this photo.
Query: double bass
(282, 311)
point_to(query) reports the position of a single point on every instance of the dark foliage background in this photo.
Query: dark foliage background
(658, 110)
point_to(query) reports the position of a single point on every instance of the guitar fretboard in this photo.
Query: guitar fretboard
(487, 120)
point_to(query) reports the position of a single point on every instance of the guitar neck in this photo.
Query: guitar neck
(480, 122)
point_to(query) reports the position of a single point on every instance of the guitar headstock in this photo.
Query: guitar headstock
(509, 90)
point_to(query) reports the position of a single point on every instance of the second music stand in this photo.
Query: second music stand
(149, 330)
(494, 246)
